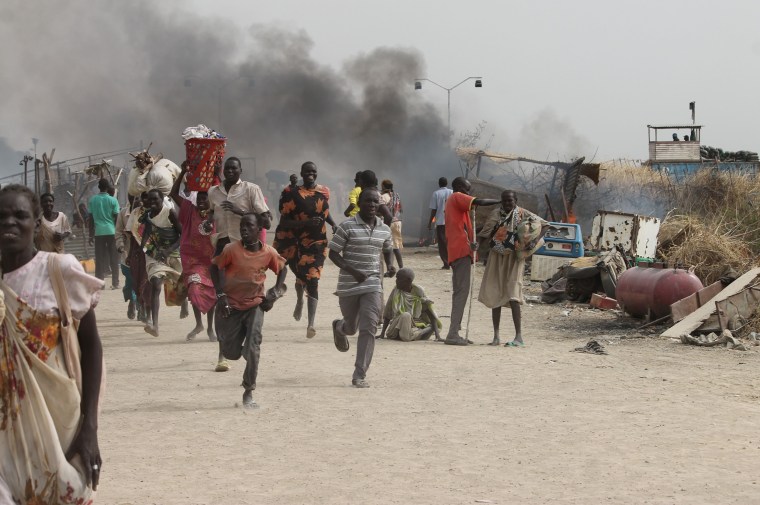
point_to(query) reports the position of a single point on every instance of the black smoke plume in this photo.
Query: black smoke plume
(97, 76)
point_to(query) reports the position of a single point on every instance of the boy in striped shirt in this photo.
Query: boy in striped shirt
(355, 248)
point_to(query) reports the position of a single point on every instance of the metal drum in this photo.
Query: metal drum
(642, 291)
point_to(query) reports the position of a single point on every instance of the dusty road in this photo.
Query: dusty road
(652, 422)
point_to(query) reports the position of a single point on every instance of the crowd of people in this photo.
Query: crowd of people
(207, 250)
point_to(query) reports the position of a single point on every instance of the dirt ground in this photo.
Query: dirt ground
(653, 421)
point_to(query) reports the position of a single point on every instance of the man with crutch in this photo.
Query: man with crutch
(460, 237)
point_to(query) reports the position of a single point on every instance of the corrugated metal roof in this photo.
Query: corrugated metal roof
(682, 127)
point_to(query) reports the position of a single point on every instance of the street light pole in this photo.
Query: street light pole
(418, 86)
(27, 158)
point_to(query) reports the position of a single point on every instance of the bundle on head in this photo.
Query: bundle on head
(144, 161)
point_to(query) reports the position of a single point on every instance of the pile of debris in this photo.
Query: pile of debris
(720, 316)
(686, 274)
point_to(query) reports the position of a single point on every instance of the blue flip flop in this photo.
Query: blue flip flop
(514, 344)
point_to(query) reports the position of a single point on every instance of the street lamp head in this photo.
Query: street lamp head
(417, 85)
(478, 83)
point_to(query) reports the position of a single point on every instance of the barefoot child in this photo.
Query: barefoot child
(239, 272)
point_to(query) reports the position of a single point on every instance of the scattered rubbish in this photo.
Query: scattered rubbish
(583, 277)
(566, 313)
(553, 290)
(726, 339)
(592, 347)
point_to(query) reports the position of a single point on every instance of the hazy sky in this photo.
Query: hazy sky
(600, 69)
(560, 78)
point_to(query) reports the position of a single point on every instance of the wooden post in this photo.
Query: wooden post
(75, 199)
(567, 209)
(549, 208)
(37, 176)
(46, 160)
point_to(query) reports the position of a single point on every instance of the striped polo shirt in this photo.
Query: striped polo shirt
(361, 246)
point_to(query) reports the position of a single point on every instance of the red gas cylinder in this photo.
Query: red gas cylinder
(641, 291)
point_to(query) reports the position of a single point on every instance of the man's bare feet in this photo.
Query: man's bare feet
(311, 332)
(211, 335)
(495, 341)
(151, 330)
(248, 402)
(298, 310)
(183, 311)
(195, 331)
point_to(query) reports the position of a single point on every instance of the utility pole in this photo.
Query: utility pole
(36, 167)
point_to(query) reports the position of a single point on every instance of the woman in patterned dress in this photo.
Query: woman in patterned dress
(301, 238)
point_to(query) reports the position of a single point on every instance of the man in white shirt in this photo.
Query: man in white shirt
(231, 200)
(437, 206)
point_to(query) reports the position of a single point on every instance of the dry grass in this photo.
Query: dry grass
(716, 225)
(709, 248)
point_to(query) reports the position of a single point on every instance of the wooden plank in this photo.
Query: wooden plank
(704, 295)
(686, 306)
(696, 318)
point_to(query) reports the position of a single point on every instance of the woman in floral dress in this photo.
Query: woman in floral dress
(51, 368)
